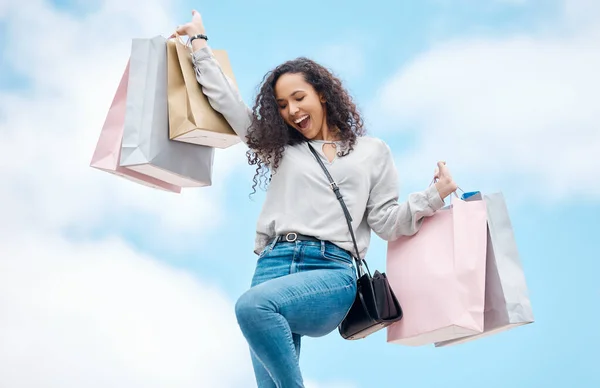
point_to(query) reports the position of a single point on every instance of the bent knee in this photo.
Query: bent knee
(248, 307)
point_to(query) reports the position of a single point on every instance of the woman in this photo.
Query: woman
(305, 280)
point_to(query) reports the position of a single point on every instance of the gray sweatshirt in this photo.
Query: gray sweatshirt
(299, 198)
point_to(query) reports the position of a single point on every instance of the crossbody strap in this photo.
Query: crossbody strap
(336, 190)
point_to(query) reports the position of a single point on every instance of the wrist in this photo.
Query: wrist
(445, 188)
(198, 44)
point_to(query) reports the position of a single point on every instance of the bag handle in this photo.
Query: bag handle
(336, 190)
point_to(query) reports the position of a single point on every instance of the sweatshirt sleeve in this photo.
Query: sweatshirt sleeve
(221, 94)
(388, 218)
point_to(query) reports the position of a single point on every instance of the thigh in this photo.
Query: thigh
(313, 285)
(313, 302)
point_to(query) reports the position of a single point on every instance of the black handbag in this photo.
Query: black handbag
(375, 305)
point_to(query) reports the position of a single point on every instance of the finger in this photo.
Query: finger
(181, 30)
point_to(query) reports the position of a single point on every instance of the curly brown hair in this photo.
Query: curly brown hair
(268, 133)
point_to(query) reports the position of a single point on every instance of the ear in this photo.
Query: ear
(322, 98)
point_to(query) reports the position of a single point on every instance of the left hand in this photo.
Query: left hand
(444, 183)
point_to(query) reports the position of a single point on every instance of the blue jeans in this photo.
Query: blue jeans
(302, 288)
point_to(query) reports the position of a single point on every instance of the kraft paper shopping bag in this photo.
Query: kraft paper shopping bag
(507, 303)
(191, 117)
(438, 276)
(146, 146)
(108, 149)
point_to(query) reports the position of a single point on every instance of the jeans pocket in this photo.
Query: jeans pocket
(332, 252)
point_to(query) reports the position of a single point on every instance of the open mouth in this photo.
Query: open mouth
(303, 122)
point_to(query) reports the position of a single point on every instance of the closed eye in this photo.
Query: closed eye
(297, 99)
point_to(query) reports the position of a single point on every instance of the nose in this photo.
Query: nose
(293, 109)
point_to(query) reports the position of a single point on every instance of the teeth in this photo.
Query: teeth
(300, 119)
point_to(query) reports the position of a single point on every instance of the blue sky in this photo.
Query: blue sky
(103, 282)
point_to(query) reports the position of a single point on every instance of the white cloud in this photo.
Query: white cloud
(504, 109)
(98, 313)
(583, 14)
(101, 315)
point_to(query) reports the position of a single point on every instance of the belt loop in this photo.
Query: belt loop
(274, 242)
(322, 247)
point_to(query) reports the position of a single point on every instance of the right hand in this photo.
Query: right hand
(196, 26)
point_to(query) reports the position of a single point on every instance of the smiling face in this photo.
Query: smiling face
(301, 106)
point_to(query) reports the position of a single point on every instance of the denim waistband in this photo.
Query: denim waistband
(274, 242)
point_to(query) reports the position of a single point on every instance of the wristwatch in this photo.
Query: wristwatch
(198, 36)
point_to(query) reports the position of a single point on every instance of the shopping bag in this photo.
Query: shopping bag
(191, 117)
(108, 149)
(507, 303)
(146, 146)
(438, 276)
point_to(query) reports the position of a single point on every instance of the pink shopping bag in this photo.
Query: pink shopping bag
(438, 275)
(507, 303)
(108, 149)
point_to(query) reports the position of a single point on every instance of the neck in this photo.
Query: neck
(326, 134)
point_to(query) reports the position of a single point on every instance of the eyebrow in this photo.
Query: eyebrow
(291, 95)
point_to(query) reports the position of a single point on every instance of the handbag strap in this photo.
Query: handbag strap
(336, 190)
